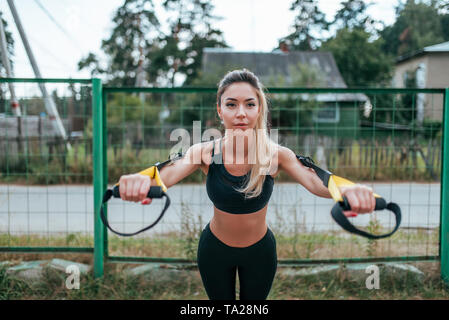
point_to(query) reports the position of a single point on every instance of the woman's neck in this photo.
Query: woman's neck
(236, 148)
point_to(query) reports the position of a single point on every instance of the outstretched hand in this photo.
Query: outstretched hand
(360, 197)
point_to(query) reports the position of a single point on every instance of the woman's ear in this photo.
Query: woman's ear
(219, 111)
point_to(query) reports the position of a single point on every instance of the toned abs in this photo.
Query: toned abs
(235, 230)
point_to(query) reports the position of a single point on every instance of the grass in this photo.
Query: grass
(292, 243)
(187, 285)
(323, 245)
(175, 283)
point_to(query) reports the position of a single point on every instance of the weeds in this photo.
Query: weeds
(191, 231)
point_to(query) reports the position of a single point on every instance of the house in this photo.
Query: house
(334, 111)
(430, 68)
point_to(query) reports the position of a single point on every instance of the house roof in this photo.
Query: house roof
(440, 47)
(267, 64)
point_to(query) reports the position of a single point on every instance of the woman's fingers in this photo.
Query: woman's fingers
(144, 188)
(350, 214)
(353, 200)
(146, 201)
(360, 198)
(134, 187)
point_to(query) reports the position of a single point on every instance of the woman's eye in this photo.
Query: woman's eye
(251, 104)
(230, 105)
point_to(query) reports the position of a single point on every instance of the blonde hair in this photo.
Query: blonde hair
(263, 147)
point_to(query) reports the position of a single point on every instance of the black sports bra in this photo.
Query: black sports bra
(220, 185)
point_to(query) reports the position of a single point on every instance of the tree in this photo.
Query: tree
(308, 24)
(9, 43)
(360, 61)
(136, 25)
(10, 54)
(191, 31)
(418, 24)
(138, 43)
(352, 14)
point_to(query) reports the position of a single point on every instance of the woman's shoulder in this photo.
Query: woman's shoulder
(283, 154)
(203, 152)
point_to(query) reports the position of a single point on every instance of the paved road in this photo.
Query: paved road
(68, 208)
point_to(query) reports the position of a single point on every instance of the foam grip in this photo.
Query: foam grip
(381, 204)
(154, 192)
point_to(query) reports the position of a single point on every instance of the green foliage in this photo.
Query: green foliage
(139, 46)
(10, 288)
(418, 24)
(352, 14)
(9, 41)
(360, 61)
(308, 22)
(191, 231)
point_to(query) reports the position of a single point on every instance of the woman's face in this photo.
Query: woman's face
(240, 107)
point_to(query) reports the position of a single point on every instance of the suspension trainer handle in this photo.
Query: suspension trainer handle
(333, 182)
(159, 191)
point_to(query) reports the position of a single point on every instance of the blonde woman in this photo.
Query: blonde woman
(240, 168)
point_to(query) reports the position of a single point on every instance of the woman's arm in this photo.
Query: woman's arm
(360, 197)
(135, 187)
(306, 176)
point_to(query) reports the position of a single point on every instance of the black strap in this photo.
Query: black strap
(155, 192)
(343, 221)
(339, 207)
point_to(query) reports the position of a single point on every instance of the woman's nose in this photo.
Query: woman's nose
(241, 111)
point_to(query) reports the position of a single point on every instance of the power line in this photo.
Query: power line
(58, 25)
(42, 47)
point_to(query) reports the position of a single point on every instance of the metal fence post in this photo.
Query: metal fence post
(444, 231)
(97, 128)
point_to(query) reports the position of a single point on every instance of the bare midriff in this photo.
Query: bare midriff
(236, 230)
(239, 230)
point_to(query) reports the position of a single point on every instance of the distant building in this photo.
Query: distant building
(430, 67)
(336, 110)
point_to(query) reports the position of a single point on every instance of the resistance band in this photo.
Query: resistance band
(330, 181)
(158, 191)
(333, 182)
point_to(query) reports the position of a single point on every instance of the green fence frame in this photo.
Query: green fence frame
(100, 179)
(101, 239)
(47, 249)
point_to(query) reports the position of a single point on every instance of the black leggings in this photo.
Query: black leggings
(218, 262)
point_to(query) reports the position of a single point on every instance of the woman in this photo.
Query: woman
(240, 168)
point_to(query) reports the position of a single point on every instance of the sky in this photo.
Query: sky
(80, 25)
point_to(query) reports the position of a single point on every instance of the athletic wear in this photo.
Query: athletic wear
(220, 185)
(218, 263)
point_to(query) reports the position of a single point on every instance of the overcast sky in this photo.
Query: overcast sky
(248, 25)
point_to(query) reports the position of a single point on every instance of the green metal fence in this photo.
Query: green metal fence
(390, 139)
(46, 180)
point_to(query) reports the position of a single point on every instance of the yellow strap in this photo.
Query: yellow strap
(336, 182)
(153, 173)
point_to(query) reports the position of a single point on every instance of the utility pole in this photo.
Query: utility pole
(48, 101)
(4, 50)
(14, 103)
